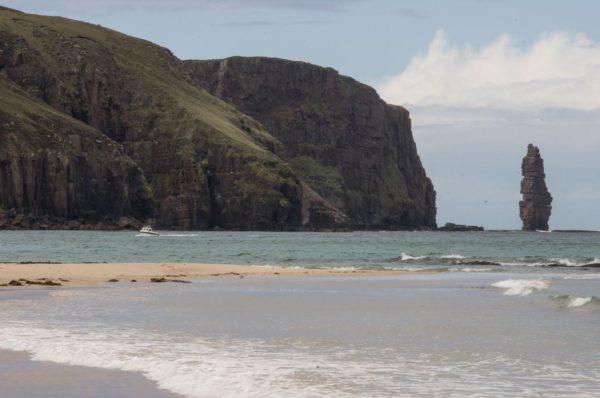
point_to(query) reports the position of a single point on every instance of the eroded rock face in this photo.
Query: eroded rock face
(207, 164)
(128, 131)
(351, 147)
(536, 206)
(451, 227)
(54, 169)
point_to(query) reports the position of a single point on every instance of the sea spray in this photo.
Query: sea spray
(521, 287)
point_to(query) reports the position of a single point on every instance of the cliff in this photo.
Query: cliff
(207, 164)
(535, 208)
(54, 169)
(97, 125)
(354, 150)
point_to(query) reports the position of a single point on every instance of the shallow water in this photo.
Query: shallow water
(22, 378)
(453, 251)
(521, 328)
(444, 334)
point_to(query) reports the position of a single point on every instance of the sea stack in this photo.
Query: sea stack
(536, 205)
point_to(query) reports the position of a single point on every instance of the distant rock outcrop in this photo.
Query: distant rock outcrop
(536, 205)
(460, 227)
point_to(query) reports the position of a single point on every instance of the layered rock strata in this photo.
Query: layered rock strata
(354, 150)
(99, 129)
(206, 164)
(536, 206)
(56, 170)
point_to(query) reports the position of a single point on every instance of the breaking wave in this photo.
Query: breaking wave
(198, 367)
(569, 301)
(459, 259)
(521, 287)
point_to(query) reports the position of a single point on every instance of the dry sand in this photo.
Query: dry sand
(94, 273)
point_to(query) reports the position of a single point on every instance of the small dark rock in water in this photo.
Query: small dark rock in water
(14, 283)
(460, 227)
(536, 206)
(476, 262)
(157, 280)
(112, 280)
(133, 280)
(593, 265)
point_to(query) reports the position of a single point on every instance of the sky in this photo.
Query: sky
(481, 78)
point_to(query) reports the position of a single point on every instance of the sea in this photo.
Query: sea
(485, 314)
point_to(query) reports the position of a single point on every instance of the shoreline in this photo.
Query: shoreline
(22, 376)
(78, 274)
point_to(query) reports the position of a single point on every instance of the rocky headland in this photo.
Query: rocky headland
(536, 206)
(353, 149)
(451, 227)
(99, 130)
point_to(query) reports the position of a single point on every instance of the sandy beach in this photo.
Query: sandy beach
(72, 274)
(21, 377)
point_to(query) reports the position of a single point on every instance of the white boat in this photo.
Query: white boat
(147, 230)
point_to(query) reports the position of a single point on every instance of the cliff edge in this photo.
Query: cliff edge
(96, 125)
(354, 150)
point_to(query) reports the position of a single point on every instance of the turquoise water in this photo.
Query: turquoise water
(508, 314)
(357, 249)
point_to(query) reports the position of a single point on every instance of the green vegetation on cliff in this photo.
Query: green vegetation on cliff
(352, 148)
(193, 148)
(96, 124)
(52, 164)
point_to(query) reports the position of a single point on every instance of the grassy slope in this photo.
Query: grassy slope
(146, 63)
(39, 127)
(198, 125)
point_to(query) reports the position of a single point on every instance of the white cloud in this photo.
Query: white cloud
(559, 70)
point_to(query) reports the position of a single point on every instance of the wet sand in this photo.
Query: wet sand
(21, 377)
(93, 273)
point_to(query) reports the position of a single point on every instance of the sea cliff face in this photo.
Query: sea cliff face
(54, 170)
(108, 126)
(354, 150)
(207, 164)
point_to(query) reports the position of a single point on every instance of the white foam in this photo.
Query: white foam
(521, 287)
(583, 277)
(471, 269)
(408, 257)
(565, 261)
(411, 269)
(192, 367)
(575, 302)
(456, 256)
(198, 367)
(167, 235)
